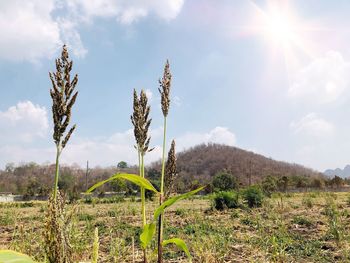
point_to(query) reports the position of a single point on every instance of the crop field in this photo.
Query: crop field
(300, 227)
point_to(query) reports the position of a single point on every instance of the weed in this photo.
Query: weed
(224, 200)
(254, 196)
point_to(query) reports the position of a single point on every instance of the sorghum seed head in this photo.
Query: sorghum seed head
(170, 170)
(165, 84)
(62, 98)
(141, 122)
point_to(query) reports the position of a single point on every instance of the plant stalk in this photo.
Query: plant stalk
(160, 219)
(143, 205)
(58, 152)
(143, 201)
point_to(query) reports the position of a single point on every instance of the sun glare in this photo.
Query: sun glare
(279, 27)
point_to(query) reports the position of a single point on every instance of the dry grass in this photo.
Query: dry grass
(286, 230)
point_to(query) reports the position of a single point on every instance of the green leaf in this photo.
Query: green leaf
(9, 256)
(136, 179)
(147, 234)
(179, 243)
(173, 200)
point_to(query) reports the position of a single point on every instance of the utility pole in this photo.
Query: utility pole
(250, 173)
(86, 175)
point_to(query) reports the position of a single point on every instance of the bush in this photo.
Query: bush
(253, 195)
(224, 200)
(224, 182)
(269, 185)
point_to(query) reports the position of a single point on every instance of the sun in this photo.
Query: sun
(279, 28)
(277, 23)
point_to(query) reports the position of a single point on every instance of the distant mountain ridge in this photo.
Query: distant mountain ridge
(339, 172)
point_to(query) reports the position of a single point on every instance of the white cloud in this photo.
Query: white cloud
(125, 11)
(23, 123)
(324, 80)
(221, 135)
(120, 146)
(33, 29)
(99, 151)
(28, 31)
(312, 125)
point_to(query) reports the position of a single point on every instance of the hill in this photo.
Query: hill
(202, 162)
(344, 173)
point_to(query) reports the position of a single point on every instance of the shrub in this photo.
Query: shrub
(269, 185)
(224, 200)
(224, 181)
(253, 195)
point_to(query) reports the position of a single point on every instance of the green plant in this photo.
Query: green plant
(180, 212)
(95, 247)
(303, 221)
(348, 200)
(12, 256)
(335, 226)
(150, 229)
(269, 185)
(165, 84)
(224, 200)
(224, 181)
(307, 201)
(253, 195)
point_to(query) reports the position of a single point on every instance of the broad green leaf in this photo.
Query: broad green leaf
(179, 243)
(147, 234)
(9, 256)
(136, 179)
(173, 200)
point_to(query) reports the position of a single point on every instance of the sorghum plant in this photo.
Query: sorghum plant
(63, 99)
(58, 249)
(165, 84)
(141, 122)
(167, 176)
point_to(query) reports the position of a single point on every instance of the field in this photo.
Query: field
(302, 227)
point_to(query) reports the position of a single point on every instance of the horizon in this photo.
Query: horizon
(269, 77)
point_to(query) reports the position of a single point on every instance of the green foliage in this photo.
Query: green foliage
(8, 256)
(95, 247)
(149, 229)
(179, 243)
(147, 234)
(136, 179)
(224, 181)
(65, 181)
(122, 165)
(282, 183)
(224, 200)
(336, 228)
(253, 195)
(180, 212)
(301, 220)
(269, 185)
(173, 200)
(337, 181)
(307, 201)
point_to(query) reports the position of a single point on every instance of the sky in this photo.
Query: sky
(272, 77)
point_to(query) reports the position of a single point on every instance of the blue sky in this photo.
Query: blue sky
(267, 76)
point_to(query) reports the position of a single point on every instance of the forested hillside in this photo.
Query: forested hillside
(195, 166)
